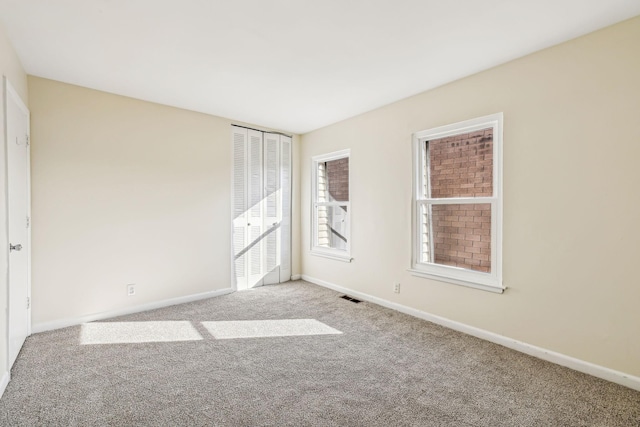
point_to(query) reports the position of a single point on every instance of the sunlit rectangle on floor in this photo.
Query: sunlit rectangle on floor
(267, 328)
(137, 332)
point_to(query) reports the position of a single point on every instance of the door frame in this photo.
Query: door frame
(9, 90)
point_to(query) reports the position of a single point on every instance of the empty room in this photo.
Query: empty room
(320, 213)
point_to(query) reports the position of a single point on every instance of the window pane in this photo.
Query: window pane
(333, 180)
(332, 226)
(462, 235)
(461, 165)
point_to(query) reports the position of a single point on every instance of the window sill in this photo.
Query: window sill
(331, 255)
(474, 285)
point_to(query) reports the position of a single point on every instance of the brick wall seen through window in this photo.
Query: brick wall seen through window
(462, 166)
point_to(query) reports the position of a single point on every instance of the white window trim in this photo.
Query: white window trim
(460, 276)
(331, 253)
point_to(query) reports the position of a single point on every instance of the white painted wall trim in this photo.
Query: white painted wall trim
(63, 323)
(296, 277)
(579, 365)
(4, 382)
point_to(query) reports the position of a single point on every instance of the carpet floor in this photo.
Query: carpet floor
(347, 364)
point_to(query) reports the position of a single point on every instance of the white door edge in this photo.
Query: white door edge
(9, 91)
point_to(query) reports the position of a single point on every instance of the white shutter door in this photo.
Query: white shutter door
(272, 207)
(261, 208)
(285, 221)
(255, 257)
(239, 197)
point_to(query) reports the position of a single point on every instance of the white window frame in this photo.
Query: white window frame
(332, 253)
(460, 276)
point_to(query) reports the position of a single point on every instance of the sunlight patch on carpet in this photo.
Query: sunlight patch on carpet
(267, 328)
(137, 332)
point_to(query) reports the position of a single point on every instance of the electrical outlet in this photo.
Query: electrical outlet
(396, 288)
(131, 289)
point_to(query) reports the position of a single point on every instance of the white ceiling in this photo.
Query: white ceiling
(295, 65)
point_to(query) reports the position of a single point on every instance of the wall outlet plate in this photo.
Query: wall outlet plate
(131, 289)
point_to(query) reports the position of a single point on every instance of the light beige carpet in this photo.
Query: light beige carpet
(347, 364)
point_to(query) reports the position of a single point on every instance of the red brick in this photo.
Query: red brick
(481, 257)
(480, 244)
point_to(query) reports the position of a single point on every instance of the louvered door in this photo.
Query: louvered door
(285, 205)
(273, 207)
(261, 208)
(255, 224)
(239, 201)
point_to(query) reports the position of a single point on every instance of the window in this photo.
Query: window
(330, 211)
(457, 208)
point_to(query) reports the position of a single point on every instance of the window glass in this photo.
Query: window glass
(461, 165)
(333, 180)
(332, 227)
(462, 236)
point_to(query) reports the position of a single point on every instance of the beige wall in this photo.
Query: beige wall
(11, 68)
(571, 205)
(126, 191)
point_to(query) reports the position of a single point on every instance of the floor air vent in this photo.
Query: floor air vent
(348, 298)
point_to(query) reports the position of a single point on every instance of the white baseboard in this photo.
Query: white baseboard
(63, 323)
(4, 382)
(296, 277)
(614, 376)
